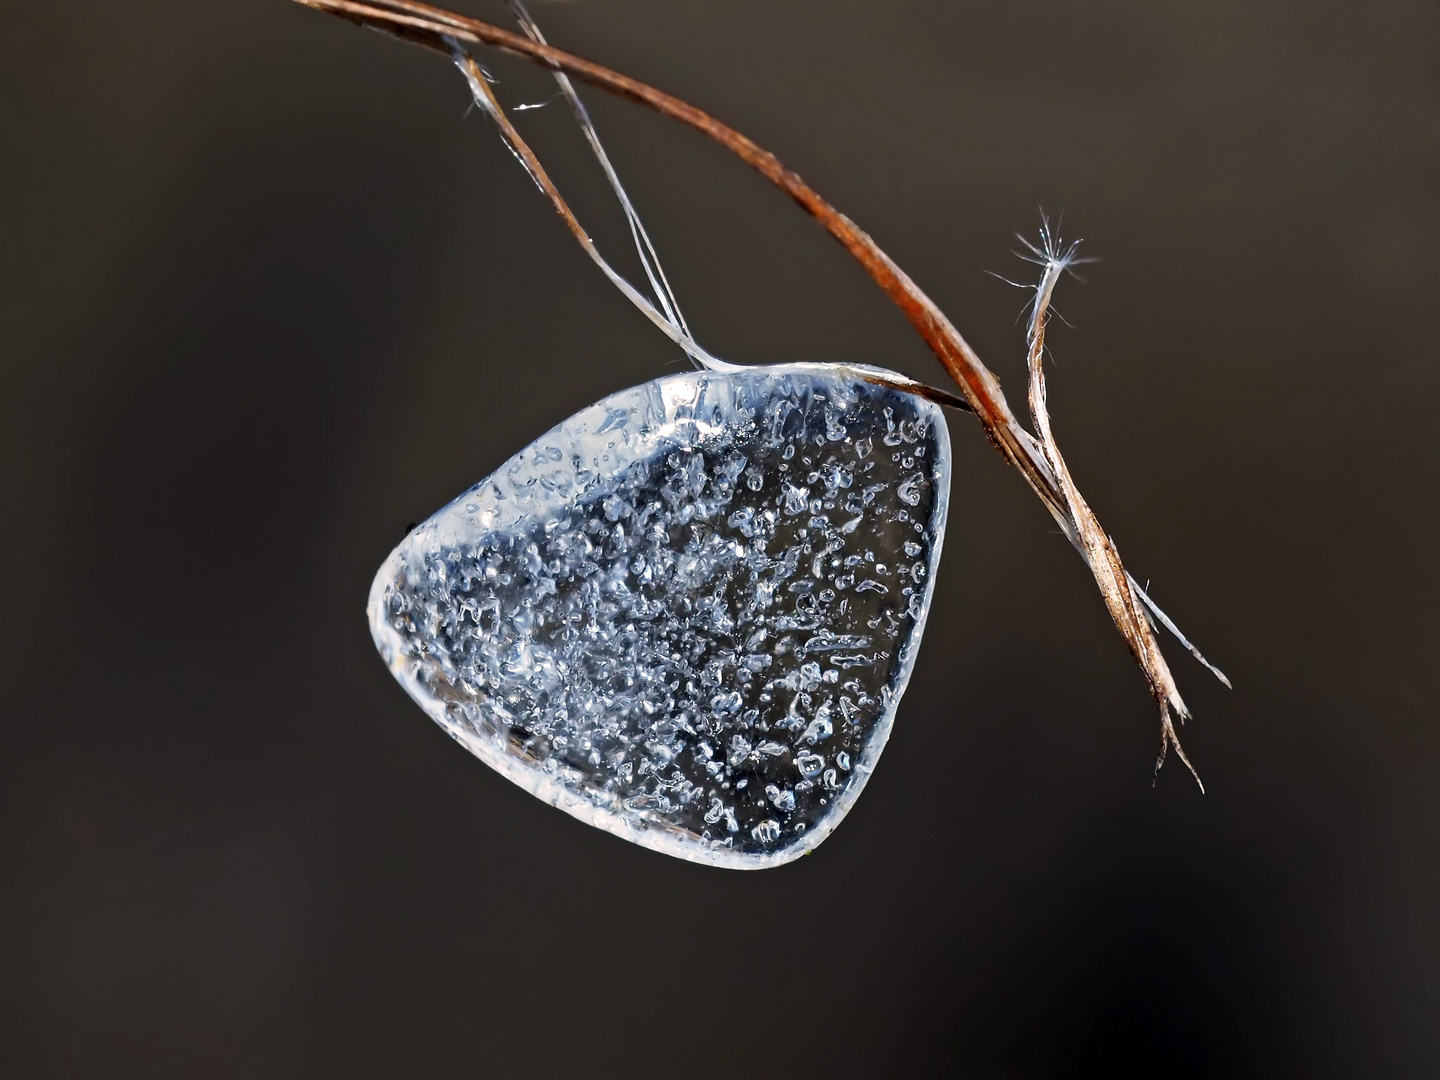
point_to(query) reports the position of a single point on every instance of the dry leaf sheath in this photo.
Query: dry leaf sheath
(1037, 458)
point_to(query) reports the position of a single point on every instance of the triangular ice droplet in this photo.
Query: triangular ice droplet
(687, 614)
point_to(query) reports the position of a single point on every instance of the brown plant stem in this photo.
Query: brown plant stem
(1036, 459)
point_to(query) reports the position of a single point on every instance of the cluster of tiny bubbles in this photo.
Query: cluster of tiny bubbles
(686, 614)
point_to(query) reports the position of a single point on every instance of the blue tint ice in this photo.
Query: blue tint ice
(687, 614)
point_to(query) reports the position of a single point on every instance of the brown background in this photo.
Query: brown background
(268, 294)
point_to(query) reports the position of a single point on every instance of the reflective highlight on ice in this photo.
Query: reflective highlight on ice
(687, 614)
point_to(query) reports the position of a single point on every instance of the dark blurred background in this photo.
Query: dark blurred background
(268, 294)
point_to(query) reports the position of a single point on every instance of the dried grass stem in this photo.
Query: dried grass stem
(1036, 458)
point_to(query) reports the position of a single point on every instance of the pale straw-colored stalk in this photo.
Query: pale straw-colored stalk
(1035, 456)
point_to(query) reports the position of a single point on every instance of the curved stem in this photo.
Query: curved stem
(1036, 459)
